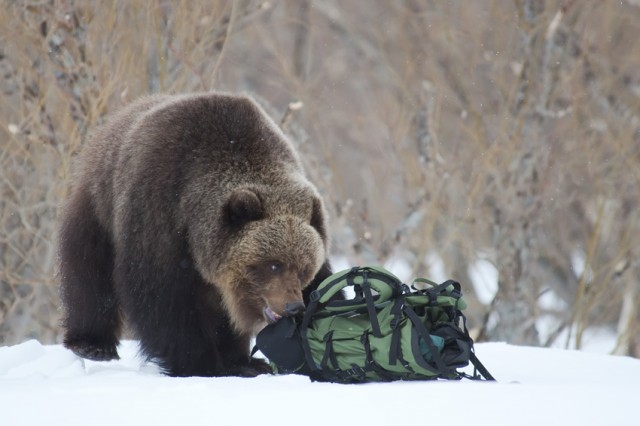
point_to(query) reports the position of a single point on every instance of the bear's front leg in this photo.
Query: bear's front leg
(236, 356)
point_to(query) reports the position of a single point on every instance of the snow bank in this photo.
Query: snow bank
(48, 385)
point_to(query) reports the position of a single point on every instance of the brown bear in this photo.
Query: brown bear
(191, 219)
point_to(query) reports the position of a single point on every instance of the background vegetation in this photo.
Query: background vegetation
(454, 134)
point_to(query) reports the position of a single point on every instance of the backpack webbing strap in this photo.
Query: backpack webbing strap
(396, 312)
(371, 308)
(477, 365)
(439, 289)
(424, 333)
(329, 353)
(328, 286)
(311, 309)
(370, 362)
(481, 368)
(359, 373)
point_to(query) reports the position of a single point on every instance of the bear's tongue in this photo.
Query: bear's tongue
(270, 315)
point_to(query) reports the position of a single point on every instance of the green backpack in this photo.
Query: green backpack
(388, 331)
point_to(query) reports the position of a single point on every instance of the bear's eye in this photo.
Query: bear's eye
(275, 267)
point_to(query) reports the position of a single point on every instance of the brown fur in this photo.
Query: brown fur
(189, 215)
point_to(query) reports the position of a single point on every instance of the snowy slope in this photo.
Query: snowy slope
(48, 385)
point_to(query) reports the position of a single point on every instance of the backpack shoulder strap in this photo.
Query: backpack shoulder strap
(382, 281)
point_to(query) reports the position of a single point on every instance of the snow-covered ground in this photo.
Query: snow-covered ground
(48, 385)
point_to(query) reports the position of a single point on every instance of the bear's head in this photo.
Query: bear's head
(274, 253)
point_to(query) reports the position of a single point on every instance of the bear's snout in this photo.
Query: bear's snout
(293, 308)
(283, 302)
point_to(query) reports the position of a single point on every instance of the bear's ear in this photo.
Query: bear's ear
(243, 206)
(318, 220)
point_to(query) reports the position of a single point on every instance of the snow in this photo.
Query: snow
(48, 385)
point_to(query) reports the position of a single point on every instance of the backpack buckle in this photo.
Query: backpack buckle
(356, 371)
(314, 296)
(395, 322)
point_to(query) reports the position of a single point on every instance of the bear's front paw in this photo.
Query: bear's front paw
(261, 366)
(255, 368)
(93, 351)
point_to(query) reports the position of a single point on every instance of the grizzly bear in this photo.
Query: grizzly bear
(190, 219)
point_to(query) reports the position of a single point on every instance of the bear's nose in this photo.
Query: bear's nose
(293, 309)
